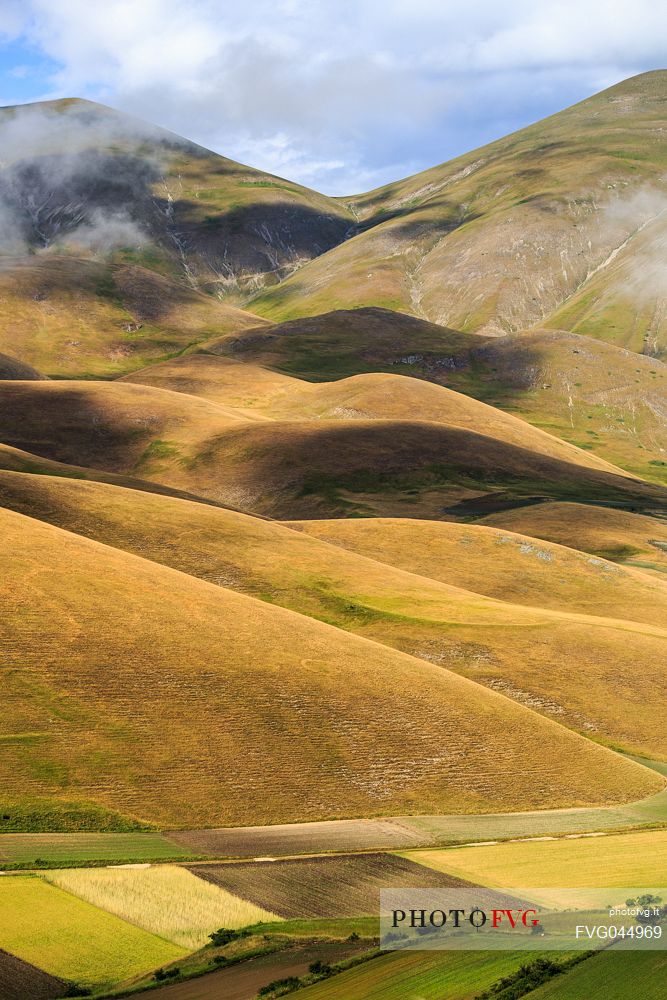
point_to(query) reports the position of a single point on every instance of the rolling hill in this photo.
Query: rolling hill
(498, 240)
(611, 534)
(602, 398)
(94, 318)
(501, 564)
(186, 703)
(450, 390)
(10, 368)
(514, 645)
(372, 396)
(298, 468)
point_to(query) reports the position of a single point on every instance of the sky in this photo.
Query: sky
(340, 95)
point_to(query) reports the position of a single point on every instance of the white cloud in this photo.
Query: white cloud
(381, 86)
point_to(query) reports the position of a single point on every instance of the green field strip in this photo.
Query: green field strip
(626, 975)
(72, 939)
(417, 976)
(65, 849)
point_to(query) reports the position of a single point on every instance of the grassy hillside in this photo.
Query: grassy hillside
(113, 426)
(498, 239)
(379, 396)
(72, 317)
(135, 684)
(611, 534)
(527, 653)
(624, 302)
(605, 400)
(10, 368)
(500, 564)
(304, 468)
(623, 976)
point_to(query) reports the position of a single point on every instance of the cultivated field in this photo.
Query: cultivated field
(20, 981)
(242, 981)
(418, 976)
(321, 887)
(617, 860)
(610, 976)
(71, 939)
(165, 900)
(60, 849)
(300, 838)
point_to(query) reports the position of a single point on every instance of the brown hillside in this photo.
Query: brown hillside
(579, 669)
(169, 698)
(610, 534)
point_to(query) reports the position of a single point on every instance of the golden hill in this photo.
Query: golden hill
(16, 460)
(373, 396)
(295, 468)
(171, 699)
(114, 426)
(611, 534)
(501, 564)
(10, 368)
(604, 399)
(68, 316)
(528, 653)
(219, 379)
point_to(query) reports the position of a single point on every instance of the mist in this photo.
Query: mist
(643, 216)
(81, 177)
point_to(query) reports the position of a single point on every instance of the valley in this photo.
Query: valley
(335, 540)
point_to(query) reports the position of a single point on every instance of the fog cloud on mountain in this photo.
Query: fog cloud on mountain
(63, 181)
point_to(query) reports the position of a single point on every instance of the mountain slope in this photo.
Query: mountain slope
(575, 668)
(82, 175)
(74, 317)
(498, 239)
(172, 699)
(113, 230)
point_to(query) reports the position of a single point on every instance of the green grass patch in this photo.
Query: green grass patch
(72, 939)
(418, 976)
(53, 850)
(610, 975)
(49, 816)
